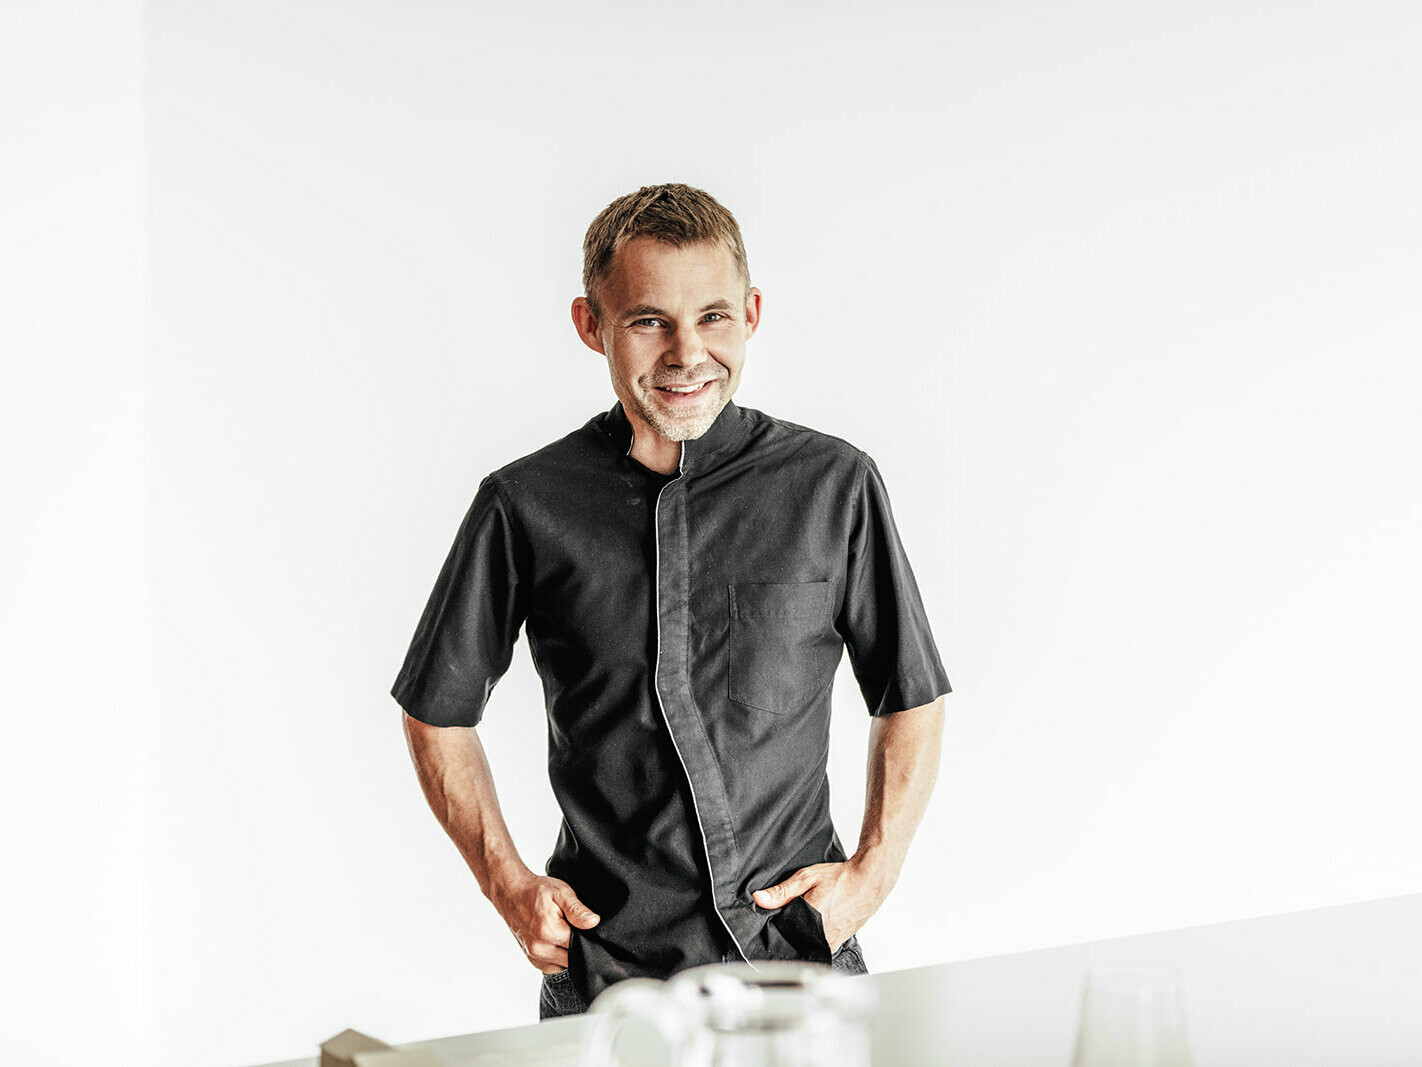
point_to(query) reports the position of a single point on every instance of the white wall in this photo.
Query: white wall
(73, 583)
(1122, 300)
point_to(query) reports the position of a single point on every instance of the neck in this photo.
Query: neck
(654, 451)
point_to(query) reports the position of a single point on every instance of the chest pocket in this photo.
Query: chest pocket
(777, 647)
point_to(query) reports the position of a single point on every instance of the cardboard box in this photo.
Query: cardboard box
(341, 1050)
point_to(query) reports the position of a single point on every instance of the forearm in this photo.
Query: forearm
(904, 751)
(455, 776)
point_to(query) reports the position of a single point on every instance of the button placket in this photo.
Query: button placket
(672, 683)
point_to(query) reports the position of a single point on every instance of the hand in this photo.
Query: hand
(845, 895)
(540, 912)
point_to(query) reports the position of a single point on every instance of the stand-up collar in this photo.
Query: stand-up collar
(696, 454)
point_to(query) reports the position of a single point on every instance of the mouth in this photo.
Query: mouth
(684, 394)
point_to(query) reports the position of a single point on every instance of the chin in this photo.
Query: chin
(687, 429)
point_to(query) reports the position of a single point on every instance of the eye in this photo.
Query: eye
(714, 316)
(647, 322)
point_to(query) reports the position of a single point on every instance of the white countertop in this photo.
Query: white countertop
(1322, 988)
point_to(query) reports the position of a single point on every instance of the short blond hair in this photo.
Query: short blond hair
(676, 214)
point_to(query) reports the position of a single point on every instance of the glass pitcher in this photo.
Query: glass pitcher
(772, 1014)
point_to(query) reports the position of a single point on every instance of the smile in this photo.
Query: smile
(682, 393)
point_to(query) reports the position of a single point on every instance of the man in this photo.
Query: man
(688, 573)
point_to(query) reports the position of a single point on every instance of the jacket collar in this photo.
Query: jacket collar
(699, 454)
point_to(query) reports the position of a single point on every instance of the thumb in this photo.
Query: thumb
(575, 911)
(778, 895)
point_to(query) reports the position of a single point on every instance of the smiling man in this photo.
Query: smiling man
(688, 573)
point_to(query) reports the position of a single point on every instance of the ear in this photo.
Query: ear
(585, 322)
(752, 311)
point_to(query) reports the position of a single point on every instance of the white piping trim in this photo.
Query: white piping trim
(657, 586)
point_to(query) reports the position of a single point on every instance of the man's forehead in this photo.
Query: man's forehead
(646, 269)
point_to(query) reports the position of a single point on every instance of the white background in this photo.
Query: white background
(73, 584)
(1122, 298)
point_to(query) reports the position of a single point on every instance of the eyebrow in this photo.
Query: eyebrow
(641, 311)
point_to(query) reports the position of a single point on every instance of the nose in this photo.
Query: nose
(685, 349)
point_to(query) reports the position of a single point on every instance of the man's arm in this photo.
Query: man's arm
(455, 775)
(904, 751)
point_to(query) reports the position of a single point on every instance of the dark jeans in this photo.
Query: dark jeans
(558, 997)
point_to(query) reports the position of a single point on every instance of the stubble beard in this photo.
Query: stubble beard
(687, 427)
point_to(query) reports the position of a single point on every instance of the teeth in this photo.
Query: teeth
(682, 388)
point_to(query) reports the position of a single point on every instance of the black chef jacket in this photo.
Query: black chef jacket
(687, 629)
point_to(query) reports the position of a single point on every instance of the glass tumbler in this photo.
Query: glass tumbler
(1131, 1018)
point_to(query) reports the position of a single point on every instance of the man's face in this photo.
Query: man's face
(672, 318)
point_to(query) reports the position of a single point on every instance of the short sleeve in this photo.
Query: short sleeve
(465, 639)
(882, 618)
